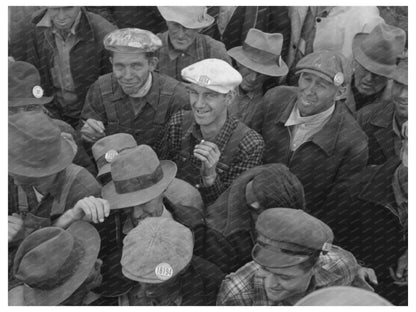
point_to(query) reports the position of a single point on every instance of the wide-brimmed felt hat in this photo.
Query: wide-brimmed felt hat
(378, 50)
(137, 177)
(287, 237)
(53, 262)
(261, 52)
(156, 250)
(106, 149)
(193, 17)
(24, 85)
(343, 296)
(36, 147)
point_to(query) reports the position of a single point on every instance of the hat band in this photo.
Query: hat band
(101, 161)
(259, 56)
(284, 247)
(139, 183)
(67, 270)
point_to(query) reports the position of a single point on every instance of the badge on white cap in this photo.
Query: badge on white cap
(163, 271)
(204, 80)
(37, 92)
(338, 79)
(110, 155)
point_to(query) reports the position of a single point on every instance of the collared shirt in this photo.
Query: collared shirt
(224, 17)
(128, 226)
(246, 287)
(244, 105)
(61, 71)
(305, 127)
(171, 61)
(249, 154)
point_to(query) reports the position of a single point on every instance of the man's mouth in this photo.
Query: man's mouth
(201, 111)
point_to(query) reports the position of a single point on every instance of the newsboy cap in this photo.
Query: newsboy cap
(329, 65)
(132, 40)
(287, 237)
(214, 74)
(156, 250)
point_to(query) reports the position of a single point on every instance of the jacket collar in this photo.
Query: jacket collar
(325, 138)
(379, 189)
(83, 29)
(383, 117)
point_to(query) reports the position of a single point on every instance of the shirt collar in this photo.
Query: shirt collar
(251, 95)
(46, 21)
(296, 119)
(144, 90)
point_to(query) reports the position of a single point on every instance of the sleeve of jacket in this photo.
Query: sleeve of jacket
(94, 106)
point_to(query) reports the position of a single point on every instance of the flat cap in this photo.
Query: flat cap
(329, 65)
(132, 40)
(287, 237)
(156, 250)
(213, 74)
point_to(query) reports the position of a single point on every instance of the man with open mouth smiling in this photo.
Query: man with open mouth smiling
(310, 130)
(210, 147)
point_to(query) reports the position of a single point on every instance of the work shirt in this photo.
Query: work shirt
(246, 287)
(303, 128)
(171, 61)
(248, 154)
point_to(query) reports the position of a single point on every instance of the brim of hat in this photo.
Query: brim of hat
(64, 160)
(118, 201)
(168, 16)
(271, 69)
(104, 169)
(90, 242)
(366, 62)
(314, 72)
(32, 101)
(142, 279)
(274, 259)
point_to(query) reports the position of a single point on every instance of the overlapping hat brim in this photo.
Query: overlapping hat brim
(90, 241)
(16, 102)
(369, 64)
(64, 159)
(118, 201)
(150, 278)
(275, 259)
(104, 169)
(170, 15)
(269, 69)
(315, 72)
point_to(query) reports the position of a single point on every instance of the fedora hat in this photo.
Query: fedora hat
(24, 85)
(107, 148)
(53, 262)
(36, 147)
(138, 177)
(261, 52)
(193, 17)
(378, 50)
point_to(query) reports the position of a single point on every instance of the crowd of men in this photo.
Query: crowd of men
(207, 156)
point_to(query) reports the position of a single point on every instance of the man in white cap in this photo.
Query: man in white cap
(183, 45)
(210, 147)
(133, 98)
(258, 59)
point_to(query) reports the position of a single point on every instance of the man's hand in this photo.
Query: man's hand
(368, 275)
(89, 209)
(92, 130)
(15, 225)
(209, 154)
(401, 271)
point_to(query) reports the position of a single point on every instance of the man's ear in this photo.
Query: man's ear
(153, 61)
(341, 93)
(229, 97)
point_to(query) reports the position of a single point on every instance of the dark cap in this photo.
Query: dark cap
(287, 237)
(329, 65)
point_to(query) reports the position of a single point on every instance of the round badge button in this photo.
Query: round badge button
(37, 92)
(338, 79)
(163, 271)
(110, 155)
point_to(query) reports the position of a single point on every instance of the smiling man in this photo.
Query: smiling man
(183, 44)
(293, 256)
(308, 130)
(133, 99)
(210, 147)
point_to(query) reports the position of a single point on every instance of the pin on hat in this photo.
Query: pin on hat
(163, 271)
(214, 74)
